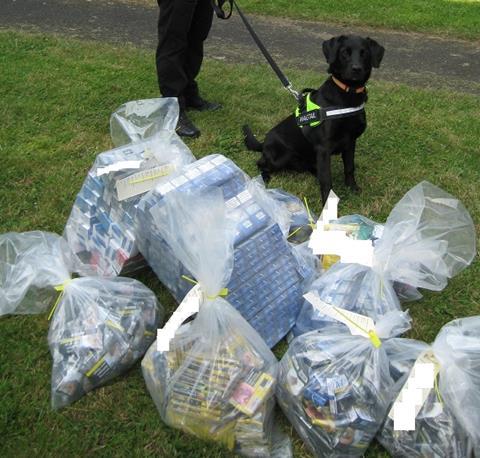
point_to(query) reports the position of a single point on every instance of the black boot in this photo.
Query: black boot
(196, 102)
(185, 127)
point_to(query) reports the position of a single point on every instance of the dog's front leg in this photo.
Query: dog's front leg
(324, 173)
(348, 156)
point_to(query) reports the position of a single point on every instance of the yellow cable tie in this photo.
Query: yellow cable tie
(222, 293)
(60, 289)
(437, 391)
(377, 343)
(294, 232)
(310, 218)
(191, 280)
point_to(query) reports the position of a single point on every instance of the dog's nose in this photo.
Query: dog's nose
(356, 68)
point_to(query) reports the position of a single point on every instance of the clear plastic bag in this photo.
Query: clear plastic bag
(428, 238)
(217, 381)
(447, 422)
(99, 329)
(100, 229)
(351, 287)
(267, 281)
(139, 119)
(301, 221)
(335, 387)
(31, 264)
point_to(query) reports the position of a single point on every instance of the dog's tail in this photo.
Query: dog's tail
(250, 140)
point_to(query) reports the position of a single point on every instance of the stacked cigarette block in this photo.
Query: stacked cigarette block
(266, 282)
(100, 227)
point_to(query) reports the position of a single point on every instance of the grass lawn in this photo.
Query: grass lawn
(57, 96)
(456, 18)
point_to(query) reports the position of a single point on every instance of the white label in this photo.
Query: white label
(142, 182)
(330, 209)
(335, 242)
(359, 325)
(415, 392)
(122, 165)
(404, 417)
(188, 307)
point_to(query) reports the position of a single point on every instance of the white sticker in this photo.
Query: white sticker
(337, 242)
(359, 325)
(142, 182)
(330, 209)
(188, 307)
(414, 392)
(122, 165)
(404, 417)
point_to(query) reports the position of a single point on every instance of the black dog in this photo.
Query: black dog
(309, 147)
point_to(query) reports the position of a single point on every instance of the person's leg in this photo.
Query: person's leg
(198, 33)
(174, 23)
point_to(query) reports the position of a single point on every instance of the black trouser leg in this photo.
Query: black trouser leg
(174, 23)
(200, 27)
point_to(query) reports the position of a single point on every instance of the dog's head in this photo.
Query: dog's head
(351, 58)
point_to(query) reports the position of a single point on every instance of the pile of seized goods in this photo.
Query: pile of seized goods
(248, 266)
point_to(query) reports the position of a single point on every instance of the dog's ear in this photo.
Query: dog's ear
(330, 48)
(376, 52)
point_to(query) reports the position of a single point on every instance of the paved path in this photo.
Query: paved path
(410, 58)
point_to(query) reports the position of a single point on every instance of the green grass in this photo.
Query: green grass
(57, 96)
(456, 18)
(444, 17)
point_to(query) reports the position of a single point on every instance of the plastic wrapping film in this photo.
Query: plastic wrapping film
(296, 220)
(31, 265)
(335, 387)
(429, 237)
(99, 329)
(217, 379)
(100, 229)
(446, 425)
(267, 281)
(137, 120)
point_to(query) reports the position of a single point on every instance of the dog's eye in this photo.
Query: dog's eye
(362, 53)
(347, 52)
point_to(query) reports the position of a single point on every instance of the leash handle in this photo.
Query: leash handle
(218, 8)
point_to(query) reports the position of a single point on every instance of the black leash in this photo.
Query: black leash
(218, 8)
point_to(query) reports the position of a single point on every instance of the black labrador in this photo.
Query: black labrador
(309, 147)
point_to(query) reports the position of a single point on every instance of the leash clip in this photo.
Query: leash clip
(296, 94)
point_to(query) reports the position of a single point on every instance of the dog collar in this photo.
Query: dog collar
(311, 114)
(346, 88)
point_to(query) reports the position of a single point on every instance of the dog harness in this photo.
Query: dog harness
(311, 114)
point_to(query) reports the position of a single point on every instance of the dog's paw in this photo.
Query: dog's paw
(354, 188)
